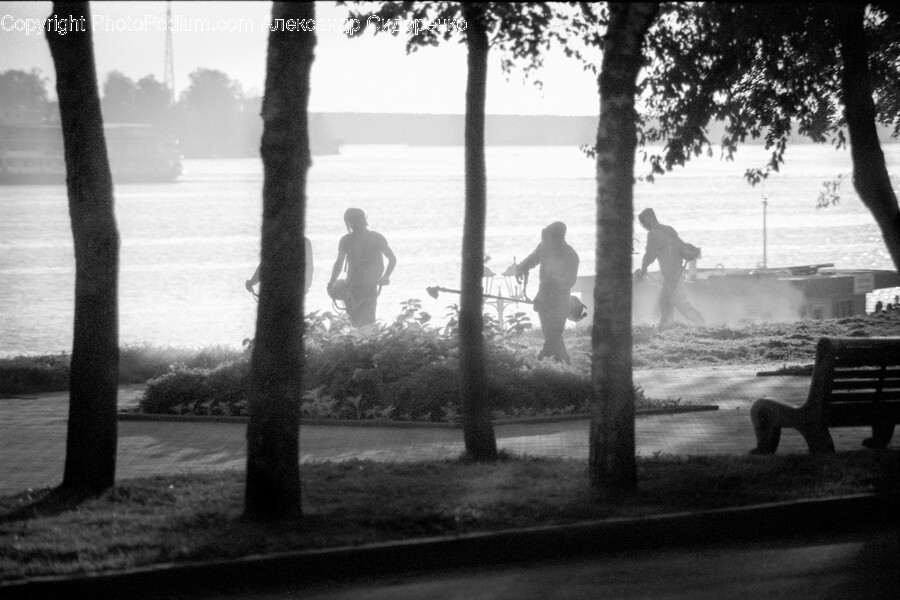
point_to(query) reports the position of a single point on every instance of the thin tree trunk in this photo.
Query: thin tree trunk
(478, 431)
(870, 174)
(612, 460)
(94, 375)
(273, 430)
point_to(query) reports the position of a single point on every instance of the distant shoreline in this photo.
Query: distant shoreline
(435, 129)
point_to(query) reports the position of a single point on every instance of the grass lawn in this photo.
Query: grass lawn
(187, 518)
(197, 517)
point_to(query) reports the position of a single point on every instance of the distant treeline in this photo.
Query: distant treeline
(213, 117)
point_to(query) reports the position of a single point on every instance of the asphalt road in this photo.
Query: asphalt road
(855, 567)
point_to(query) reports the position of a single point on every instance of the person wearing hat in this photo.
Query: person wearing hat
(664, 246)
(363, 252)
(559, 270)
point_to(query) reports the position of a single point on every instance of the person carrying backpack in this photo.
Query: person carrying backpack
(664, 246)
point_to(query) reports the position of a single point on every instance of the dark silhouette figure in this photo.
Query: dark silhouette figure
(307, 276)
(878, 307)
(363, 252)
(559, 269)
(664, 246)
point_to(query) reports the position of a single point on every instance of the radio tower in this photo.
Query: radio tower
(169, 76)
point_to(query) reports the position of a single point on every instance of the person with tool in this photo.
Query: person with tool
(665, 247)
(559, 270)
(362, 253)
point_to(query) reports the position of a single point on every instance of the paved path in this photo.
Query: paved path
(33, 432)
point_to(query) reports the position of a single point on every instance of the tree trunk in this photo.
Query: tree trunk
(273, 430)
(612, 461)
(478, 430)
(94, 375)
(870, 174)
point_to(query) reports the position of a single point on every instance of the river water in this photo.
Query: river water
(188, 246)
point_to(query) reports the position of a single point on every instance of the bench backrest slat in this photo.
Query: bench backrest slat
(878, 378)
(887, 389)
(867, 396)
(864, 351)
(872, 372)
(850, 372)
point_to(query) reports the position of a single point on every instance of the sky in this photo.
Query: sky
(367, 73)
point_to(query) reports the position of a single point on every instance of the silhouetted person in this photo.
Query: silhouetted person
(363, 251)
(664, 246)
(308, 275)
(878, 307)
(559, 269)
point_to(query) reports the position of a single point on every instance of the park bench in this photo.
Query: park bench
(855, 383)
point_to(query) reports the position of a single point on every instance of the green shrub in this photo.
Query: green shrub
(141, 363)
(545, 389)
(427, 394)
(198, 391)
(407, 370)
(32, 374)
(137, 364)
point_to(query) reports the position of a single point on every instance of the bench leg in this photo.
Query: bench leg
(769, 416)
(768, 433)
(881, 436)
(817, 438)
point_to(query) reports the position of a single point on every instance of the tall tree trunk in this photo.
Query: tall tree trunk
(273, 430)
(478, 431)
(94, 376)
(612, 461)
(870, 174)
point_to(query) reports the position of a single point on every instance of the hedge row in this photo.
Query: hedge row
(404, 371)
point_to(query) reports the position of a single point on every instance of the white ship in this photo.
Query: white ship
(33, 154)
